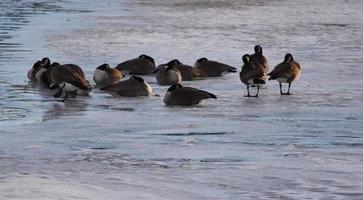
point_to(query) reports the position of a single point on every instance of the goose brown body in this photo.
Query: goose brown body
(213, 68)
(138, 66)
(70, 78)
(188, 72)
(252, 74)
(133, 87)
(251, 71)
(258, 57)
(168, 75)
(177, 95)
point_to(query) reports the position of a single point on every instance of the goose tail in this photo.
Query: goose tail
(232, 69)
(210, 95)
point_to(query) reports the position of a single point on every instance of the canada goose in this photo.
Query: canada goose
(33, 71)
(41, 74)
(132, 87)
(168, 74)
(252, 74)
(286, 72)
(45, 65)
(177, 95)
(138, 66)
(212, 68)
(188, 72)
(70, 79)
(259, 58)
(105, 75)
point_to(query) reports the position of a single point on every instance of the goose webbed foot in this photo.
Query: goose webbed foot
(255, 96)
(258, 91)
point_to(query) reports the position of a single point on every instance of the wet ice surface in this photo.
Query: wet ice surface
(308, 145)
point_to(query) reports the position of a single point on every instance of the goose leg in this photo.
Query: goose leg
(65, 96)
(258, 90)
(281, 89)
(288, 91)
(248, 91)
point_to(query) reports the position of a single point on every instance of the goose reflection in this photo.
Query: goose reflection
(71, 107)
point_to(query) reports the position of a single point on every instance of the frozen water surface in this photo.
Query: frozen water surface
(305, 146)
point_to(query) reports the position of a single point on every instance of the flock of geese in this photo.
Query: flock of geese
(69, 79)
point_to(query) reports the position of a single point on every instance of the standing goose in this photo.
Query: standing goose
(212, 68)
(105, 75)
(252, 74)
(188, 72)
(286, 72)
(139, 66)
(132, 87)
(70, 79)
(259, 58)
(177, 95)
(168, 74)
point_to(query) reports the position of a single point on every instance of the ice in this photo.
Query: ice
(304, 146)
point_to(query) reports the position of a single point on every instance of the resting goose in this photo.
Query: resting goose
(141, 65)
(132, 87)
(177, 95)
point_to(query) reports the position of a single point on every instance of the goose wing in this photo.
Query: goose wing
(70, 74)
(191, 96)
(280, 68)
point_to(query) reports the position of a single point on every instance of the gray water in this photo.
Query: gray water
(305, 146)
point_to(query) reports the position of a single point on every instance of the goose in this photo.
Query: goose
(141, 65)
(168, 74)
(105, 75)
(252, 74)
(178, 95)
(286, 72)
(132, 87)
(188, 72)
(212, 68)
(70, 80)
